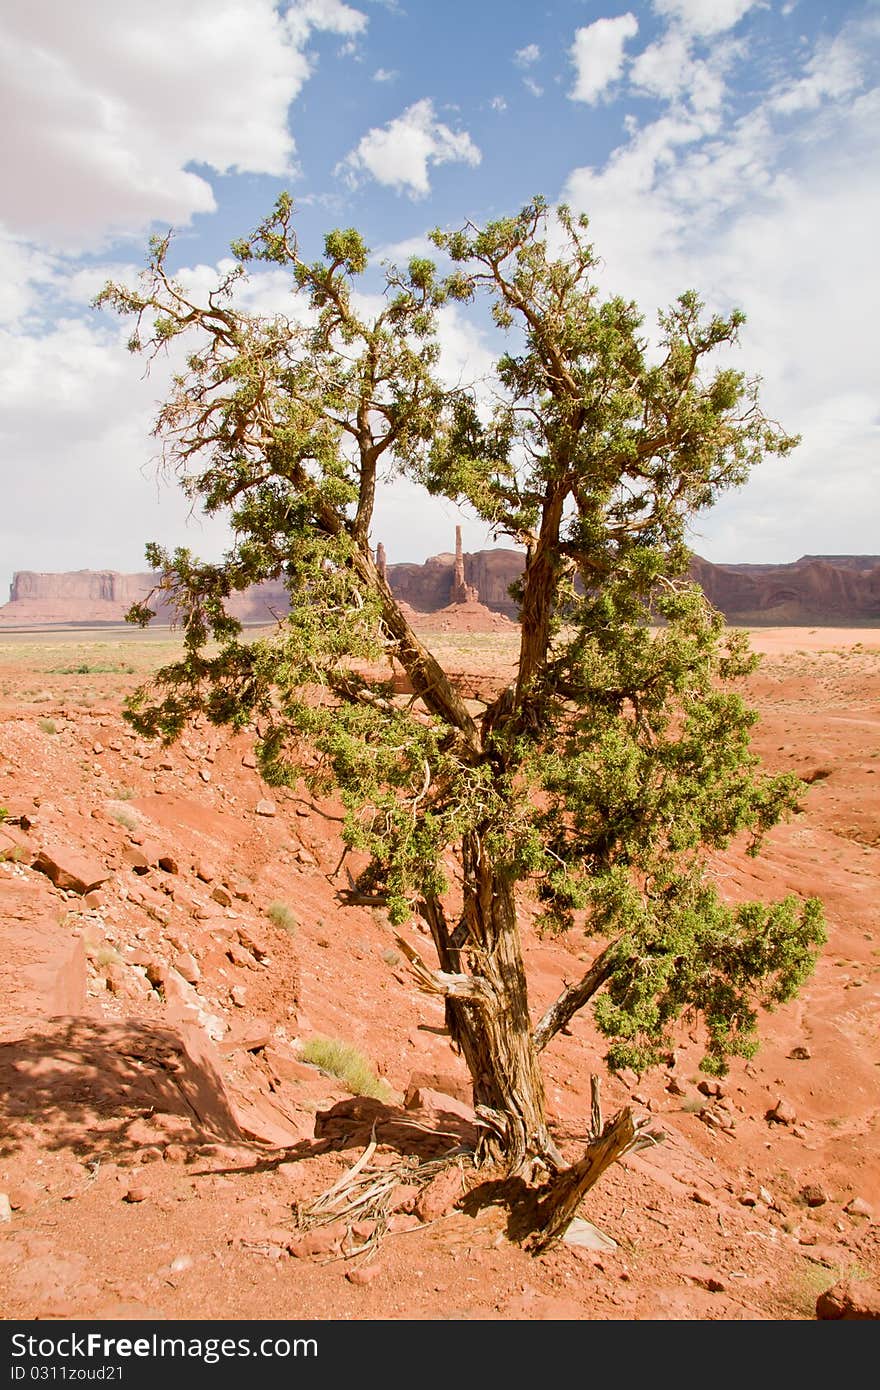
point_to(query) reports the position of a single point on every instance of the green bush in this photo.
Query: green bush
(343, 1060)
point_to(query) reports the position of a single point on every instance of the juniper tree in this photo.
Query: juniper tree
(602, 779)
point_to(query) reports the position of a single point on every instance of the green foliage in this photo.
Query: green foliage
(343, 1060)
(618, 760)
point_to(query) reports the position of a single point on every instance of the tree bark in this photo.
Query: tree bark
(563, 1009)
(495, 1037)
(564, 1193)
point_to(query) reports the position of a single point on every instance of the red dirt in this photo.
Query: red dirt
(156, 1141)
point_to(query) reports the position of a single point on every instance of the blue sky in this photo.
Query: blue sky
(725, 145)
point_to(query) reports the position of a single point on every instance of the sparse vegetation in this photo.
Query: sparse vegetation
(103, 956)
(92, 668)
(604, 777)
(348, 1065)
(283, 917)
(129, 819)
(47, 726)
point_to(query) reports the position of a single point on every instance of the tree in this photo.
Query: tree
(604, 776)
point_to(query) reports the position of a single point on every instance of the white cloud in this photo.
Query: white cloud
(84, 490)
(705, 17)
(597, 54)
(524, 57)
(330, 15)
(498, 104)
(385, 75)
(777, 216)
(398, 155)
(400, 252)
(834, 71)
(111, 102)
(532, 86)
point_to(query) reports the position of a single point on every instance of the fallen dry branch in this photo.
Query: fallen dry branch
(559, 1200)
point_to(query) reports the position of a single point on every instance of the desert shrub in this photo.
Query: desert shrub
(124, 817)
(48, 726)
(343, 1060)
(281, 915)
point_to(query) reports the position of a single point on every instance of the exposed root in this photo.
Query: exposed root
(363, 1193)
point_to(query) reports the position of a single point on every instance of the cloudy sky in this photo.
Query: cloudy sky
(726, 145)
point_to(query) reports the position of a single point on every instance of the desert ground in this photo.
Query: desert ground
(175, 936)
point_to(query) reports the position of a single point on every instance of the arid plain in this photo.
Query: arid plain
(175, 936)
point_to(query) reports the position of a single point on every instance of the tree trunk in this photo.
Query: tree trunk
(495, 1038)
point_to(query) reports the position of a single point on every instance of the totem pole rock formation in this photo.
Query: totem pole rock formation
(462, 592)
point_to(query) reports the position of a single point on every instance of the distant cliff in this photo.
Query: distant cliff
(835, 589)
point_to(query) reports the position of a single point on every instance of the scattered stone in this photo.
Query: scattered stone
(239, 956)
(704, 1278)
(436, 1103)
(181, 1263)
(157, 973)
(69, 869)
(175, 1153)
(135, 1193)
(403, 1197)
(748, 1199)
(153, 1154)
(5, 1207)
(288, 1068)
(264, 807)
(205, 872)
(97, 748)
(814, 1195)
(323, 1241)
(167, 862)
(249, 760)
(782, 1113)
(857, 1206)
(94, 900)
(238, 995)
(586, 1236)
(135, 859)
(459, 1087)
(25, 1194)
(252, 941)
(186, 965)
(710, 1088)
(222, 896)
(205, 774)
(849, 1300)
(248, 1037)
(363, 1274)
(702, 1198)
(440, 1195)
(800, 1054)
(674, 1087)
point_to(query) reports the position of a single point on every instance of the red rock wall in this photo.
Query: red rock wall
(835, 589)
